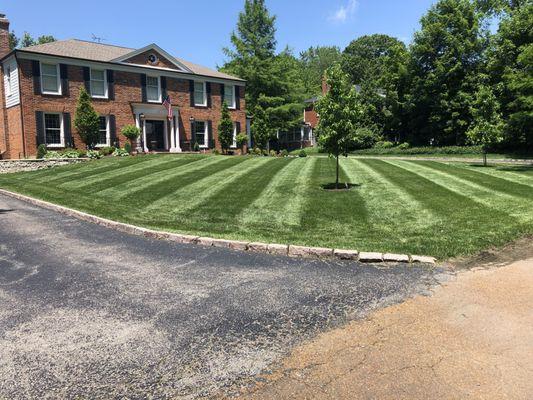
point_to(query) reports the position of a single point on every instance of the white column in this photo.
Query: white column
(144, 136)
(177, 132)
(172, 136)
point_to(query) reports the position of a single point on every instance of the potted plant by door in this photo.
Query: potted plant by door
(132, 133)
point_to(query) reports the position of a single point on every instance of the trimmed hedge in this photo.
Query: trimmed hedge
(421, 150)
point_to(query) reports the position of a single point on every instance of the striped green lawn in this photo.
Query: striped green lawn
(417, 207)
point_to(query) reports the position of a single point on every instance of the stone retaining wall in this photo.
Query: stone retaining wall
(7, 166)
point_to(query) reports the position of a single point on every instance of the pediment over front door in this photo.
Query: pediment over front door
(153, 56)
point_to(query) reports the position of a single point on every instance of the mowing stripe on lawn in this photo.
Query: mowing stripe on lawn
(110, 183)
(504, 202)
(333, 218)
(183, 201)
(124, 188)
(491, 182)
(220, 208)
(464, 221)
(123, 171)
(522, 174)
(151, 197)
(95, 167)
(388, 200)
(282, 202)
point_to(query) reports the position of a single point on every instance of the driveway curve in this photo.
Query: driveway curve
(88, 312)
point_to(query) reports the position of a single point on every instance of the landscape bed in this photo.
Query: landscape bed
(414, 207)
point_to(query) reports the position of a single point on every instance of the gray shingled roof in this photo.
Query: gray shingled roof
(103, 52)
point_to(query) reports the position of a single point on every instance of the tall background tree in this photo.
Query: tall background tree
(274, 90)
(313, 64)
(377, 65)
(27, 40)
(446, 60)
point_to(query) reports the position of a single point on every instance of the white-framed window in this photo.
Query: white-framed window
(234, 143)
(229, 95)
(153, 89)
(53, 130)
(200, 131)
(9, 92)
(104, 137)
(50, 79)
(98, 83)
(200, 94)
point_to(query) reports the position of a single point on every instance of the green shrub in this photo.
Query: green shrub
(120, 152)
(403, 146)
(196, 146)
(242, 139)
(105, 151)
(284, 153)
(93, 154)
(365, 138)
(302, 153)
(82, 153)
(273, 153)
(41, 151)
(427, 150)
(131, 132)
(127, 147)
(216, 152)
(52, 155)
(70, 153)
(257, 151)
(385, 144)
(265, 152)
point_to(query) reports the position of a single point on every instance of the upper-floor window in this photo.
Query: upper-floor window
(50, 81)
(98, 83)
(9, 92)
(200, 97)
(229, 95)
(153, 89)
(53, 128)
(200, 131)
(104, 138)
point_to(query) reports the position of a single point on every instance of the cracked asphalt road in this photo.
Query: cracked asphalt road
(87, 312)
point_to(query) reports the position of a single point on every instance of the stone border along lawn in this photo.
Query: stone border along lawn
(257, 247)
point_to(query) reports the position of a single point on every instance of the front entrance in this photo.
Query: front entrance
(155, 135)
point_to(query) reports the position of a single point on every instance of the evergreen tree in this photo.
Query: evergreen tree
(486, 128)
(86, 120)
(446, 60)
(225, 129)
(340, 116)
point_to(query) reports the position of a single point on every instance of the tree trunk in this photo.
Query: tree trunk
(337, 174)
(484, 158)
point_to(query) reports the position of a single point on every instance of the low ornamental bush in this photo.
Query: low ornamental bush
(70, 153)
(106, 151)
(41, 151)
(384, 145)
(302, 153)
(273, 153)
(52, 155)
(93, 154)
(284, 153)
(120, 152)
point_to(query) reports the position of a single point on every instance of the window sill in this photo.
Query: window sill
(54, 146)
(100, 97)
(52, 93)
(154, 101)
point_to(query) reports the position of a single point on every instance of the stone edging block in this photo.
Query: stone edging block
(258, 247)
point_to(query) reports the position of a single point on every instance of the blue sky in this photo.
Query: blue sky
(197, 30)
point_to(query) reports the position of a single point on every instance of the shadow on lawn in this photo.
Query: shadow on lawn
(343, 186)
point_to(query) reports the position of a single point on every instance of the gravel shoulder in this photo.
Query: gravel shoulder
(471, 339)
(89, 312)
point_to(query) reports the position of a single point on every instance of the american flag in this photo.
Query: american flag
(168, 105)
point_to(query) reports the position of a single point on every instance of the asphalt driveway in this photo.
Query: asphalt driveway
(87, 312)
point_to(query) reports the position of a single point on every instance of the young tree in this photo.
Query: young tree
(340, 116)
(87, 121)
(487, 125)
(225, 129)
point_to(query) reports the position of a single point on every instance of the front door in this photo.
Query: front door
(155, 135)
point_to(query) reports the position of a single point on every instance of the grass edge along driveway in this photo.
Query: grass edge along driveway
(416, 207)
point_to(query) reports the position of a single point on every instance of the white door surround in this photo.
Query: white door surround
(158, 112)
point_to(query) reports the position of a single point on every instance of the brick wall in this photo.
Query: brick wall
(311, 116)
(127, 91)
(14, 133)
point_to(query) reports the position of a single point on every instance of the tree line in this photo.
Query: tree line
(467, 70)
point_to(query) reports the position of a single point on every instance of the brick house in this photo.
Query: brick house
(127, 86)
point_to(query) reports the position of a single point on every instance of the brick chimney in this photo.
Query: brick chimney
(4, 35)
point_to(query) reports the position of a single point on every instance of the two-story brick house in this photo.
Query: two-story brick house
(127, 86)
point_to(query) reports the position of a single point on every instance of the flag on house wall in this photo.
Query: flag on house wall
(168, 105)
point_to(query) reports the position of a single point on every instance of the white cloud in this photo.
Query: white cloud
(344, 12)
